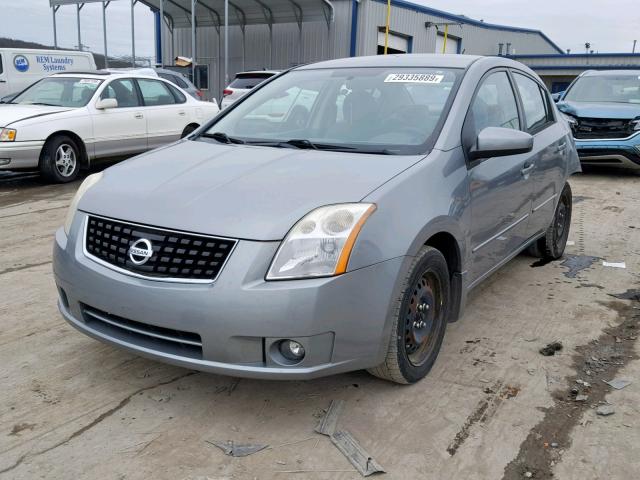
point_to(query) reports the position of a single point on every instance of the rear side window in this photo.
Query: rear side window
(124, 91)
(248, 81)
(494, 105)
(535, 110)
(155, 93)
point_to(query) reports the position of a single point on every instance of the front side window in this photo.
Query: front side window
(533, 102)
(392, 110)
(71, 92)
(124, 91)
(494, 105)
(623, 88)
(155, 93)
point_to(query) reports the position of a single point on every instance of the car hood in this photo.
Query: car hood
(10, 113)
(619, 111)
(238, 191)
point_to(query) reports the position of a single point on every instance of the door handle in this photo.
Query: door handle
(3, 81)
(138, 116)
(526, 169)
(182, 113)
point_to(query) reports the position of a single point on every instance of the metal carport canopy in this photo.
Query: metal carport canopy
(244, 12)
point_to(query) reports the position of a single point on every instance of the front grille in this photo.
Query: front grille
(592, 128)
(175, 255)
(168, 340)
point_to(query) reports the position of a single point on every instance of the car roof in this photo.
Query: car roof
(602, 73)
(398, 60)
(259, 72)
(104, 74)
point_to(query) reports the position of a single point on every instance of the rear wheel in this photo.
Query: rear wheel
(552, 245)
(420, 320)
(60, 159)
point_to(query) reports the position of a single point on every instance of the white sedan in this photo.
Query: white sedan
(65, 121)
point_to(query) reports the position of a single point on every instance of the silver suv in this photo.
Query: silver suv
(333, 220)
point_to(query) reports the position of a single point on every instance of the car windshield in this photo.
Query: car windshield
(70, 92)
(606, 88)
(368, 110)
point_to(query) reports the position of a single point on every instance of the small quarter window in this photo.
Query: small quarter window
(177, 94)
(1, 70)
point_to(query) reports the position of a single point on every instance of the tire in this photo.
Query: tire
(551, 246)
(188, 130)
(420, 320)
(60, 159)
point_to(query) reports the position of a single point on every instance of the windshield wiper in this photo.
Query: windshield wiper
(308, 145)
(223, 138)
(43, 104)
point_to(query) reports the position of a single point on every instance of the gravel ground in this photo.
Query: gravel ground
(493, 407)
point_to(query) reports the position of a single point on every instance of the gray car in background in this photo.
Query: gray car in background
(181, 81)
(334, 219)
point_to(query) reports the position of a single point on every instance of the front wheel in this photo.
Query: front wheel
(420, 320)
(188, 130)
(552, 245)
(60, 159)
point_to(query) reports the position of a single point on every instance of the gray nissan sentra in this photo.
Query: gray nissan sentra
(334, 219)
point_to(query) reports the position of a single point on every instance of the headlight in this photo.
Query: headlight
(89, 182)
(320, 244)
(7, 135)
(571, 119)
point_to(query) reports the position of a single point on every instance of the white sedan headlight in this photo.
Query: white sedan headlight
(89, 182)
(320, 244)
(7, 135)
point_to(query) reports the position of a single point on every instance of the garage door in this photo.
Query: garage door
(397, 43)
(453, 44)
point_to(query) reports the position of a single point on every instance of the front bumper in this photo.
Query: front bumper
(20, 155)
(343, 322)
(619, 152)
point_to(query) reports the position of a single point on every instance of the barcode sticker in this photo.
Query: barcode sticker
(413, 78)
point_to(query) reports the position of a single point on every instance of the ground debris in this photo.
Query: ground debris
(605, 410)
(238, 449)
(551, 349)
(354, 452)
(329, 422)
(618, 383)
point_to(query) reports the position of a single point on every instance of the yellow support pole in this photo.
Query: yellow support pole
(444, 44)
(386, 33)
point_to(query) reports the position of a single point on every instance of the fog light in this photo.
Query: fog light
(291, 350)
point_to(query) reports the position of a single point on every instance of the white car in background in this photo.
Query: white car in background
(65, 121)
(244, 82)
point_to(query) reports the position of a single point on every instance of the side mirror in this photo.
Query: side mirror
(557, 96)
(105, 103)
(499, 142)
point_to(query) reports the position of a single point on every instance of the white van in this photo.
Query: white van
(20, 67)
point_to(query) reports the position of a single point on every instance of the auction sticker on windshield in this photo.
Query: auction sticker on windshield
(414, 78)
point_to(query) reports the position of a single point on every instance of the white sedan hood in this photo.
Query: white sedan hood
(10, 113)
